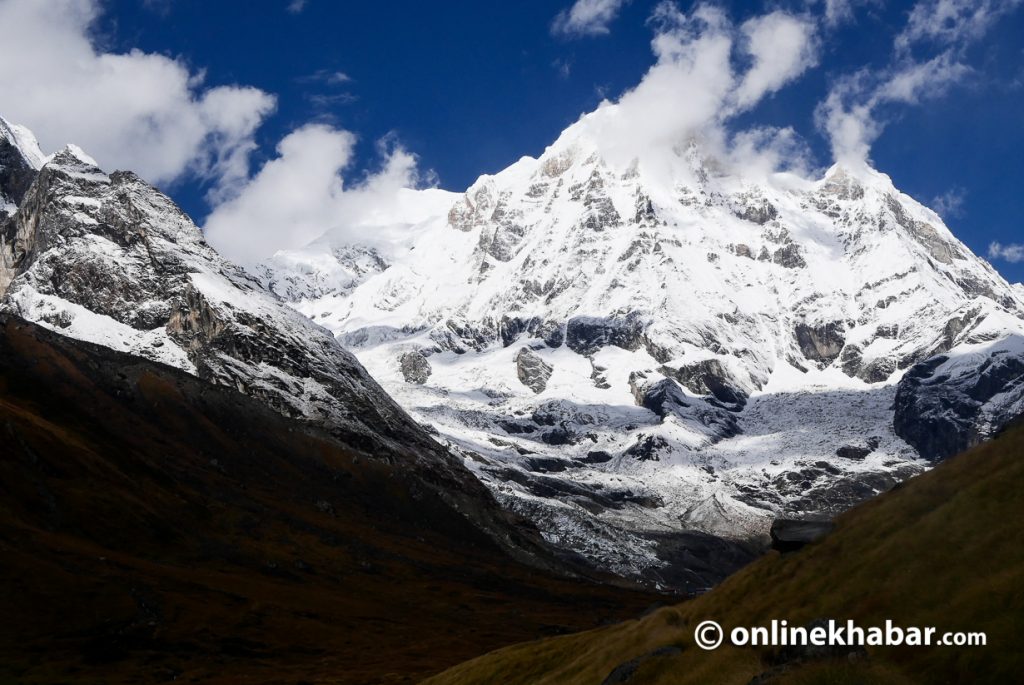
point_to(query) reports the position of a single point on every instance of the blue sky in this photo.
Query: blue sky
(470, 87)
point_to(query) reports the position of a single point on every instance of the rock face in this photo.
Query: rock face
(532, 371)
(822, 344)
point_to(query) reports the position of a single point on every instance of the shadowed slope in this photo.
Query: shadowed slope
(944, 550)
(155, 527)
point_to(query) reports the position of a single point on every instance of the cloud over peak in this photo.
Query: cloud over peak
(302, 193)
(707, 71)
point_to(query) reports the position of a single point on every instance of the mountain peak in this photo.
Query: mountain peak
(72, 154)
(24, 141)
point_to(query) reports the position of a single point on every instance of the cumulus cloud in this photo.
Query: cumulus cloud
(131, 110)
(587, 18)
(302, 193)
(707, 71)
(1013, 253)
(296, 6)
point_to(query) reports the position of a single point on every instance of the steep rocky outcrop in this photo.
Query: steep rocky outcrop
(20, 160)
(108, 259)
(948, 403)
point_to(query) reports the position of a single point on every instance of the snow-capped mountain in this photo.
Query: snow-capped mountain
(107, 259)
(633, 354)
(624, 347)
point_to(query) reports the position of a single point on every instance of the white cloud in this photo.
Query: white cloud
(296, 6)
(853, 113)
(1010, 253)
(587, 17)
(782, 47)
(301, 194)
(951, 22)
(133, 110)
(950, 203)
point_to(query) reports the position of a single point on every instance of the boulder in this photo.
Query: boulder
(415, 367)
(533, 372)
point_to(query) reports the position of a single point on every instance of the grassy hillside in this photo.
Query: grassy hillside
(944, 550)
(154, 528)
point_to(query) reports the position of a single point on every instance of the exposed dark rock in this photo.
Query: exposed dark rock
(757, 210)
(549, 464)
(943, 411)
(533, 372)
(854, 452)
(926, 234)
(461, 337)
(510, 328)
(851, 360)
(587, 334)
(600, 213)
(647, 448)
(709, 377)
(596, 457)
(503, 232)
(742, 250)
(789, 256)
(16, 174)
(664, 397)
(645, 214)
(415, 367)
(559, 436)
(789, 535)
(821, 343)
(474, 209)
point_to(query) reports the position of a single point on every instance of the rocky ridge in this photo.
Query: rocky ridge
(108, 259)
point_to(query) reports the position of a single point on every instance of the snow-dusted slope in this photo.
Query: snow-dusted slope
(108, 259)
(627, 348)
